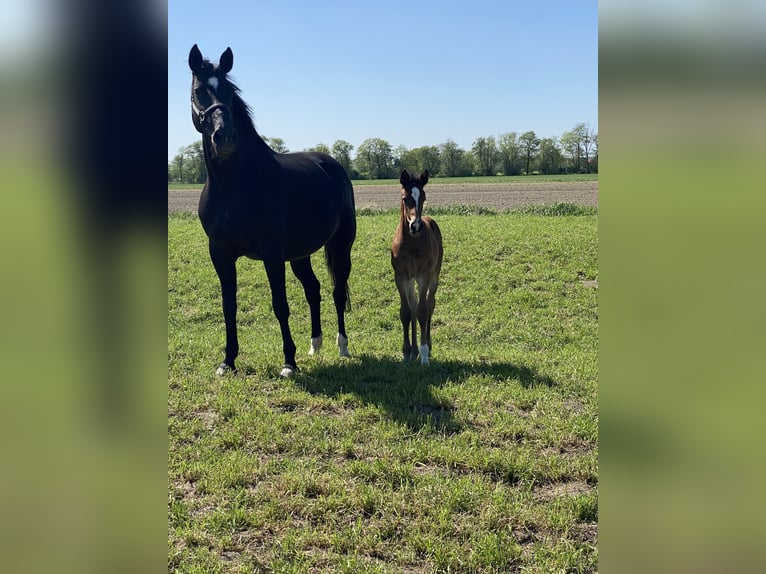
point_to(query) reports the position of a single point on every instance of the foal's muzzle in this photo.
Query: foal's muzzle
(415, 226)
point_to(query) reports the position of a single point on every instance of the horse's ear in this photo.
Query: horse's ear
(405, 177)
(195, 59)
(424, 177)
(226, 62)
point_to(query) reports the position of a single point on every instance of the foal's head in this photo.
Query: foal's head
(211, 100)
(413, 198)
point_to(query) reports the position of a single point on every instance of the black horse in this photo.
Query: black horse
(268, 206)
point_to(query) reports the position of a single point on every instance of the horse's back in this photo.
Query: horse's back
(316, 174)
(320, 197)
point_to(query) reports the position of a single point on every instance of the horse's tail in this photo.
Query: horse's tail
(338, 259)
(337, 251)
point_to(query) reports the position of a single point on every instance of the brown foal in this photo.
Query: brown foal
(416, 256)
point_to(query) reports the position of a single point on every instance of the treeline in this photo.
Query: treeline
(575, 151)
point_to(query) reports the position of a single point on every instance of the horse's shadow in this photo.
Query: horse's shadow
(405, 391)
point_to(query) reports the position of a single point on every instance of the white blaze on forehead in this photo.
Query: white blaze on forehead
(416, 196)
(213, 83)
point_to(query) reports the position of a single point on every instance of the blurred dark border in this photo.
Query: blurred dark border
(682, 112)
(84, 307)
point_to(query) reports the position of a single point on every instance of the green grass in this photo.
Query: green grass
(440, 180)
(184, 186)
(485, 461)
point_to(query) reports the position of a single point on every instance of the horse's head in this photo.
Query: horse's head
(211, 101)
(413, 198)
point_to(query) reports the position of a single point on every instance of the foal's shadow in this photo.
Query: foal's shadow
(405, 391)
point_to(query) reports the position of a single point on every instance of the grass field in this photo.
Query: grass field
(505, 179)
(486, 461)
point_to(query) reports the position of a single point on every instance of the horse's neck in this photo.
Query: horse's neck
(257, 152)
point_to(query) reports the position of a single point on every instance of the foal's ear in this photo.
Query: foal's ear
(405, 177)
(195, 59)
(226, 62)
(424, 177)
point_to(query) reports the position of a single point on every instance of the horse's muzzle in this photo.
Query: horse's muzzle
(416, 226)
(224, 143)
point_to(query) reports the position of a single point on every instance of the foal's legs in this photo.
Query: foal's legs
(407, 315)
(427, 288)
(305, 274)
(226, 268)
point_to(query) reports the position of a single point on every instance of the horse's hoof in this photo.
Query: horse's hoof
(316, 344)
(224, 369)
(424, 353)
(342, 345)
(288, 372)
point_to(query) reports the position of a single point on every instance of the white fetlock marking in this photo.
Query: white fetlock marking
(222, 370)
(316, 344)
(342, 345)
(424, 355)
(287, 372)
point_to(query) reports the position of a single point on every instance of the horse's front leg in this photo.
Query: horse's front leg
(275, 271)
(226, 268)
(311, 288)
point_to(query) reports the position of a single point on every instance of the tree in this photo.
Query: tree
(176, 167)
(277, 144)
(510, 154)
(529, 145)
(570, 143)
(188, 166)
(485, 155)
(549, 157)
(421, 158)
(320, 147)
(341, 151)
(587, 137)
(594, 161)
(374, 159)
(578, 145)
(398, 156)
(196, 171)
(453, 162)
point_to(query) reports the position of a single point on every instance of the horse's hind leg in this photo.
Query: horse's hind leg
(305, 274)
(338, 255)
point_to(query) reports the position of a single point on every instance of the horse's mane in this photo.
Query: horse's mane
(243, 114)
(241, 110)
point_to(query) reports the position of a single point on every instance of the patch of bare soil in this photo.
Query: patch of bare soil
(497, 196)
(551, 491)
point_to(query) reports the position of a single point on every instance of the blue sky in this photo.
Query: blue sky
(411, 72)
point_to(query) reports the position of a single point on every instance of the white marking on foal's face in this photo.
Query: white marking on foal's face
(416, 196)
(213, 83)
